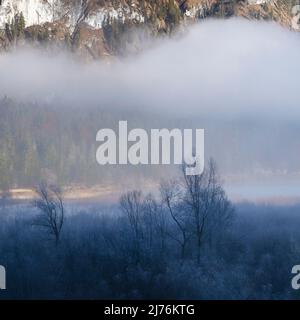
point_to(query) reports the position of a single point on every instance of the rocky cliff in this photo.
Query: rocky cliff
(100, 28)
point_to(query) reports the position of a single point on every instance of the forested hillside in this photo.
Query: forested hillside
(100, 29)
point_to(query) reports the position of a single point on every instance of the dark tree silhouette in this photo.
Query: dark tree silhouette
(50, 204)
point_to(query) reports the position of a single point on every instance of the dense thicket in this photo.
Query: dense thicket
(94, 258)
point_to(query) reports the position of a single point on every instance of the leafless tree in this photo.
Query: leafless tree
(132, 204)
(197, 205)
(52, 213)
(154, 224)
(150, 209)
(170, 195)
(205, 199)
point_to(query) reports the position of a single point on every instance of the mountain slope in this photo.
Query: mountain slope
(98, 28)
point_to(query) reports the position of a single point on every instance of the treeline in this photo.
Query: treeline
(58, 144)
(35, 142)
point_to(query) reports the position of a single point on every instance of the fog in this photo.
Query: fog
(232, 66)
(236, 79)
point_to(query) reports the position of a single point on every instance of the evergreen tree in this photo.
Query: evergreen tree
(21, 24)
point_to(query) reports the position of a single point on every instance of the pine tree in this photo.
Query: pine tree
(8, 33)
(21, 24)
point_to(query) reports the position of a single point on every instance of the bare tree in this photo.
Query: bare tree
(150, 209)
(207, 203)
(170, 195)
(132, 204)
(159, 221)
(197, 205)
(52, 213)
(154, 223)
